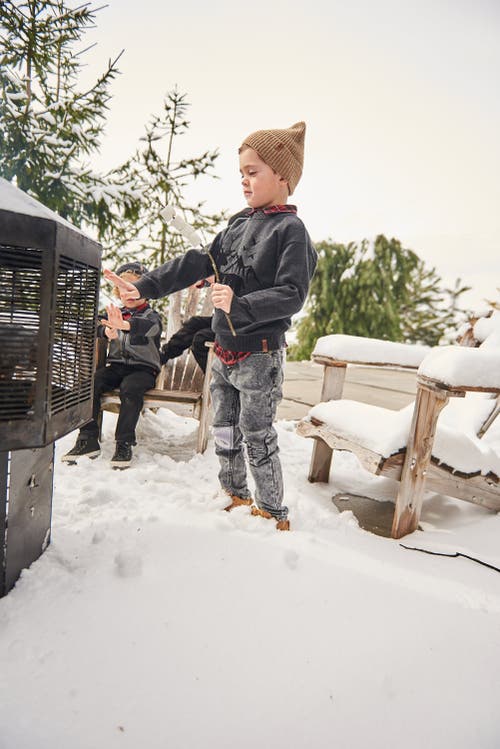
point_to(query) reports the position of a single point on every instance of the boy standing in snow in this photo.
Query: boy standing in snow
(265, 261)
(132, 364)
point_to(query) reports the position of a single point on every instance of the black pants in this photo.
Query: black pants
(200, 351)
(133, 382)
(193, 334)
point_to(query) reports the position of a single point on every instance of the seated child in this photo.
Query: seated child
(132, 364)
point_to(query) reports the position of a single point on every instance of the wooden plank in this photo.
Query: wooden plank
(101, 347)
(207, 307)
(328, 361)
(455, 390)
(428, 405)
(479, 490)
(333, 382)
(191, 303)
(370, 460)
(159, 396)
(205, 402)
(331, 389)
(174, 320)
(489, 419)
(178, 365)
(192, 378)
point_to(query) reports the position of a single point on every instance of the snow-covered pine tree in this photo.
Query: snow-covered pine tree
(376, 290)
(434, 313)
(49, 127)
(161, 177)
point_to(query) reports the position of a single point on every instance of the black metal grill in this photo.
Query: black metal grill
(49, 283)
(67, 374)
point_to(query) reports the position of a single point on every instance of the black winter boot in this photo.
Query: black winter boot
(123, 455)
(85, 447)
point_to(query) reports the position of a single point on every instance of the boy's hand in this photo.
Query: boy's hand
(110, 333)
(222, 296)
(129, 291)
(115, 318)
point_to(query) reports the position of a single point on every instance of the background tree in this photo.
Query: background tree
(379, 290)
(434, 313)
(160, 178)
(49, 127)
(51, 130)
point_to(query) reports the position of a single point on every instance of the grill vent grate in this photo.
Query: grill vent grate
(74, 331)
(20, 295)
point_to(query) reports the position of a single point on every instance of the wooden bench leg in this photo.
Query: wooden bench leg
(428, 406)
(202, 439)
(321, 461)
(99, 424)
(332, 387)
(205, 403)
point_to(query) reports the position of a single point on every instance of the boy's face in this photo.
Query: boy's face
(262, 187)
(132, 278)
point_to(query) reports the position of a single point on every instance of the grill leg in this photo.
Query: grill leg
(26, 484)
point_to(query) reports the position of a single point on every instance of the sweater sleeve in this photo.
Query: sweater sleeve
(176, 274)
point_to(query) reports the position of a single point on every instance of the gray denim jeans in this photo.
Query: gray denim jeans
(245, 396)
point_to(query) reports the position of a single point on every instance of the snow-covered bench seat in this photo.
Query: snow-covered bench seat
(457, 456)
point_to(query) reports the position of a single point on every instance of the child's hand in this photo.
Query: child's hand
(222, 296)
(115, 318)
(110, 333)
(129, 291)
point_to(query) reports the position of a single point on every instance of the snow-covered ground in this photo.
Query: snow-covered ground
(155, 620)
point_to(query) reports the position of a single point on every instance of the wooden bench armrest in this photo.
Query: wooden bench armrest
(460, 369)
(340, 350)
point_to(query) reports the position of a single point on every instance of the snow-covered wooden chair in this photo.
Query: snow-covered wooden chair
(181, 385)
(459, 455)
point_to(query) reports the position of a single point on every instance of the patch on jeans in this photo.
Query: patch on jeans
(223, 437)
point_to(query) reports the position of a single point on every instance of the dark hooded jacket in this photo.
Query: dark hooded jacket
(140, 344)
(267, 258)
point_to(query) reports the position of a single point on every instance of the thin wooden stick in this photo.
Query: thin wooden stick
(169, 215)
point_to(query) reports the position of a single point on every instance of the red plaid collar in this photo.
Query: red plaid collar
(126, 312)
(274, 209)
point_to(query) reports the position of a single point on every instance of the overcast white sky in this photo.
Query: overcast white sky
(401, 101)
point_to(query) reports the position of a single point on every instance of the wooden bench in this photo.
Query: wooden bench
(414, 461)
(181, 385)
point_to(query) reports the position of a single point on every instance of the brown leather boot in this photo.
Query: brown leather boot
(238, 502)
(281, 525)
(261, 513)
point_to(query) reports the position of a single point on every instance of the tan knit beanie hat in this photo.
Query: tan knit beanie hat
(282, 150)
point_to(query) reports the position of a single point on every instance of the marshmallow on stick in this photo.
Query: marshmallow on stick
(169, 215)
